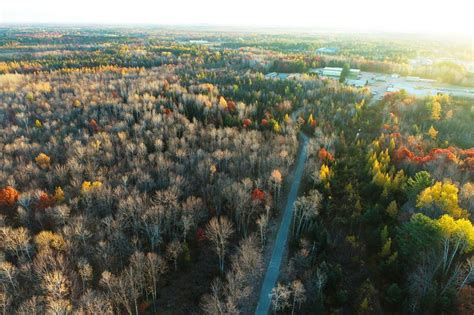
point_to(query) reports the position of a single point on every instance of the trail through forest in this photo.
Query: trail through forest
(273, 269)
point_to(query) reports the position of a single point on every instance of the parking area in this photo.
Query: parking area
(381, 83)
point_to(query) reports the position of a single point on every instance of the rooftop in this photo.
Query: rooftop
(327, 50)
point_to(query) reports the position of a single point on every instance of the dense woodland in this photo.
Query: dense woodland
(141, 173)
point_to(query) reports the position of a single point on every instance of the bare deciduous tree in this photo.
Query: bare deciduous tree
(85, 271)
(94, 302)
(298, 291)
(173, 250)
(219, 230)
(155, 266)
(280, 297)
(306, 209)
(216, 302)
(262, 223)
(33, 306)
(232, 296)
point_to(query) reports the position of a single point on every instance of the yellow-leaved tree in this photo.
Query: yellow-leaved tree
(436, 110)
(222, 103)
(50, 239)
(462, 228)
(433, 132)
(43, 160)
(90, 186)
(443, 196)
(324, 173)
(59, 194)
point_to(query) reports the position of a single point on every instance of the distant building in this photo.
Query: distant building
(271, 75)
(198, 41)
(294, 76)
(282, 76)
(333, 68)
(418, 79)
(332, 72)
(354, 73)
(336, 72)
(427, 80)
(356, 83)
(327, 50)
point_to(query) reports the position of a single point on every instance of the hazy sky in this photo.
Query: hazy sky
(434, 16)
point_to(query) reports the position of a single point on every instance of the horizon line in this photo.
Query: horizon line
(315, 28)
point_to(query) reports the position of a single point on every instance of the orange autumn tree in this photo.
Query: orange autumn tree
(93, 126)
(8, 196)
(247, 122)
(324, 155)
(258, 194)
(45, 201)
(449, 153)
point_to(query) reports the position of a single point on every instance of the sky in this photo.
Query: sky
(405, 16)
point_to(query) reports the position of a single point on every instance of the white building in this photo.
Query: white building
(354, 72)
(331, 72)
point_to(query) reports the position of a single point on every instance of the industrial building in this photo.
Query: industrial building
(354, 73)
(336, 72)
(332, 72)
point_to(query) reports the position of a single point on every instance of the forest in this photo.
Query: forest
(145, 171)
